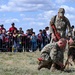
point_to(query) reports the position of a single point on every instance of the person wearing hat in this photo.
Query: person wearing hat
(61, 24)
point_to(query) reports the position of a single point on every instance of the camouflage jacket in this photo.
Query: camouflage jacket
(61, 25)
(54, 52)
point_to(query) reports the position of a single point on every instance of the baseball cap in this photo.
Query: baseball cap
(61, 10)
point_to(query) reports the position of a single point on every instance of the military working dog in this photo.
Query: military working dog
(70, 56)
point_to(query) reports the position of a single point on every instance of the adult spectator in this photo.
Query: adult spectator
(2, 27)
(20, 30)
(12, 28)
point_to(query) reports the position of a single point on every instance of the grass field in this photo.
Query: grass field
(24, 63)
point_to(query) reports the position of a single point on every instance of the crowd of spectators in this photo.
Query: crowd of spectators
(15, 40)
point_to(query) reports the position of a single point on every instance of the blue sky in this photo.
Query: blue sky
(34, 14)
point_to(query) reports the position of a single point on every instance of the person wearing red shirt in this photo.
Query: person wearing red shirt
(11, 29)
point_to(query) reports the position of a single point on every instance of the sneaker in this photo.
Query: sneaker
(30, 51)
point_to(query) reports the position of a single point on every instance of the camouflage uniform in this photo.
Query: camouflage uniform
(54, 52)
(51, 53)
(61, 24)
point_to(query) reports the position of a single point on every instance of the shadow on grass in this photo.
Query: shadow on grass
(70, 70)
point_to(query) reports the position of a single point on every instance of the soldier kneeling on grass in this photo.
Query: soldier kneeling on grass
(52, 56)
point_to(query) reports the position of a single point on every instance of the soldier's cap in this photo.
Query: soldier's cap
(61, 10)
